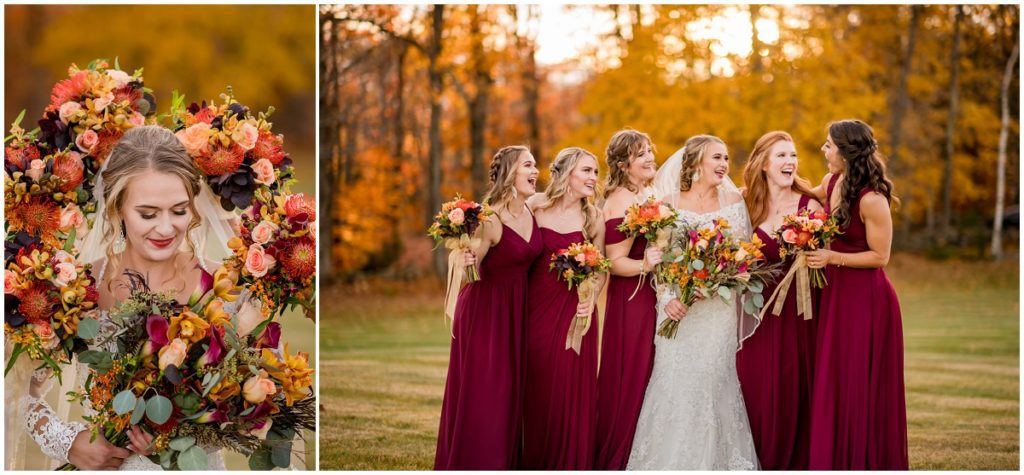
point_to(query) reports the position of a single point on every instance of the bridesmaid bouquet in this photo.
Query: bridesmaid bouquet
(187, 374)
(709, 262)
(799, 233)
(48, 302)
(236, 151)
(275, 252)
(454, 226)
(580, 265)
(89, 112)
(652, 219)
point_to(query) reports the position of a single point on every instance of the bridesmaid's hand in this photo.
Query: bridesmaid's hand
(652, 257)
(818, 258)
(675, 310)
(584, 309)
(96, 455)
(468, 258)
(141, 441)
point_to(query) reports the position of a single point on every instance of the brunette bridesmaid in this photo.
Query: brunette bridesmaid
(561, 386)
(858, 406)
(481, 417)
(627, 336)
(776, 364)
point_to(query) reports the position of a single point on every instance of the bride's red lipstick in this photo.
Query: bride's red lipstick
(162, 243)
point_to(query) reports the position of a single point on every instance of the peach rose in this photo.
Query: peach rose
(296, 204)
(62, 256)
(64, 273)
(196, 138)
(68, 109)
(172, 354)
(137, 120)
(86, 141)
(258, 262)
(36, 169)
(11, 282)
(249, 317)
(120, 78)
(457, 216)
(71, 217)
(264, 172)
(101, 103)
(47, 335)
(817, 223)
(312, 230)
(789, 236)
(246, 136)
(264, 232)
(257, 388)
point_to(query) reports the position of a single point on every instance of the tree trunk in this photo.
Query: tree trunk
(899, 108)
(947, 177)
(1004, 135)
(478, 105)
(327, 177)
(756, 44)
(435, 152)
(398, 129)
(527, 49)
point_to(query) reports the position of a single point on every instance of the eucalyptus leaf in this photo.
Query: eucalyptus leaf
(697, 265)
(758, 300)
(281, 455)
(260, 460)
(724, 293)
(158, 409)
(182, 444)
(139, 412)
(124, 402)
(756, 286)
(194, 458)
(748, 306)
(165, 459)
(88, 328)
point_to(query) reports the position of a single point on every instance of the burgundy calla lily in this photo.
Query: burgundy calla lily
(215, 352)
(270, 337)
(156, 328)
(264, 409)
(218, 414)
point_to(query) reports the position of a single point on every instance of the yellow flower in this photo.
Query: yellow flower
(214, 314)
(294, 373)
(226, 388)
(187, 326)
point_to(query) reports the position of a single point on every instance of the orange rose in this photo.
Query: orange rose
(196, 138)
(296, 204)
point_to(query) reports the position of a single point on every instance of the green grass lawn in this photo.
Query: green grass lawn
(384, 355)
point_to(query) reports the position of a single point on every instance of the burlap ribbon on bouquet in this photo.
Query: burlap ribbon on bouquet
(456, 271)
(803, 290)
(587, 292)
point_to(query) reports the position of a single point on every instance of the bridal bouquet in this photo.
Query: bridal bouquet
(188, 375)
(652, 219)
(48, 302)
(90, 110)
(580, 265)
(708, 262)
(799, 233)
(236, 151)
(275, 252)
(454, 226)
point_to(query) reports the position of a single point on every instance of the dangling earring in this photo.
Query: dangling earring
(696, 176)
(121, 242)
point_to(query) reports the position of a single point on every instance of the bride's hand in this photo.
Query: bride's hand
(141, 441)
(96, 455)
(675, 310)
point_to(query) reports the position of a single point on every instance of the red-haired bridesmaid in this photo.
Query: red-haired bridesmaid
(776, 364)
(858, 406)
(481, 417)
(560, 414)
(627, 336)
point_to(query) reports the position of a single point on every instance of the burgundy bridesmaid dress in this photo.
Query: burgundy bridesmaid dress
(560, 412)
(775, 367)
(481, 417)
(627, 356)
(858, 406)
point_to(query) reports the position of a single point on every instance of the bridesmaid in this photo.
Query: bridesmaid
(627, 336)
(561, 386)
(858, 407)
(776, 364)
(481, 417)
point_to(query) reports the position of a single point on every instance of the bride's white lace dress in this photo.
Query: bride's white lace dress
(693, 415)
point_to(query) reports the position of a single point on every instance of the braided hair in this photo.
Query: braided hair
(502, 175)
(865, 168)
(623, 148)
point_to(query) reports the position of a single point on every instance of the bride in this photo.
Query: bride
(693, 416)
(154, 214)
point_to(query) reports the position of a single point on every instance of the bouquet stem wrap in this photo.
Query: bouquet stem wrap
(456, 273)
(587, 291)
(660, 242)
(798, 271)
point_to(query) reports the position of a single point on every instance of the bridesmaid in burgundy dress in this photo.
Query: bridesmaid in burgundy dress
(627, 335)
(481, 417)
(776, 364)
(858, 407)
(560, 414)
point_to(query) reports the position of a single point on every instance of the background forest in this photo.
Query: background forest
(416, 99)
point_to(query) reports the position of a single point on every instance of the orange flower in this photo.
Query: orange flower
(187, 326)
(293, 372)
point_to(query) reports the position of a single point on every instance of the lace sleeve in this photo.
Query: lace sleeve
(42, 423)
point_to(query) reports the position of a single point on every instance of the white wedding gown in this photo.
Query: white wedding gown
(693, 415)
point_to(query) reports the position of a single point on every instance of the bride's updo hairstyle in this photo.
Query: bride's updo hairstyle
(143, 149)
(865, 168)
(503, 175)
(692, 157)
(622, 149)
(565, 162)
